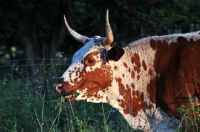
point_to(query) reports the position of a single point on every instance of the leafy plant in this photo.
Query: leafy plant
(191, 115)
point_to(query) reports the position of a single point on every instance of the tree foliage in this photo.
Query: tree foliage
(26, 26)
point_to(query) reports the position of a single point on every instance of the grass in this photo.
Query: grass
(26, 107)
(191, 114)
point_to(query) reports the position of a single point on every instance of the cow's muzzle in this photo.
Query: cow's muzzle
(59, 88)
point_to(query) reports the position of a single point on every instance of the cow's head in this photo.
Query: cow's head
(90, 73)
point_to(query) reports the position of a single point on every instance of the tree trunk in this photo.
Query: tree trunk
(59, 34)
(57, 40)
(29, 40)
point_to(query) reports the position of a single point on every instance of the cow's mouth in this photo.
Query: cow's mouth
(68, 96)
(71, 97)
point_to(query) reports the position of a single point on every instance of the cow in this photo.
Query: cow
(146, 81)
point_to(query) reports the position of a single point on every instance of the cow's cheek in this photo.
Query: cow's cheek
(101, 76)
(98, 78)
(72, 85)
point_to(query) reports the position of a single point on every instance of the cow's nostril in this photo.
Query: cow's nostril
(59, 87)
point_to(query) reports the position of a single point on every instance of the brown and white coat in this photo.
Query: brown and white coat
(146, 81)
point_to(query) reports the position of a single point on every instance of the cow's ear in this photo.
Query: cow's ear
(115, 53)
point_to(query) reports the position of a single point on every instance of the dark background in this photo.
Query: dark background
(27, 26)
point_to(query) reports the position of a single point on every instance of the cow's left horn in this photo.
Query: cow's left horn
(76, 35)
(109, 35)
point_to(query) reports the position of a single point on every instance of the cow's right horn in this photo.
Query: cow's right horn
(109, 35)
(76, 35)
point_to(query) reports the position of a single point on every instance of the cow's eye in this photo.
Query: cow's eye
(89, 61)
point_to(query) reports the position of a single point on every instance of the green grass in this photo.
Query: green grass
(26, 107)
(191, 114)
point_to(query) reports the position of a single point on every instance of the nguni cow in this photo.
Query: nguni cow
(146, 81)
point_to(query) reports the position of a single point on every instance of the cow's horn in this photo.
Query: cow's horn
(109, 35)
(76, 35)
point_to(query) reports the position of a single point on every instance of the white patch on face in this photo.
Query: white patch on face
(88, 69)
(84, 51)
(70, 74)
(76, 67)
(83, 96)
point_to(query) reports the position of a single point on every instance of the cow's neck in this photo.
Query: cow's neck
(131, 76)
(133, 71)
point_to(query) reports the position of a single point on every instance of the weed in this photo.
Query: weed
(191, 115)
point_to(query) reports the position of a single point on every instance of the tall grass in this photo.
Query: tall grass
(191, 114)
(26, 107)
